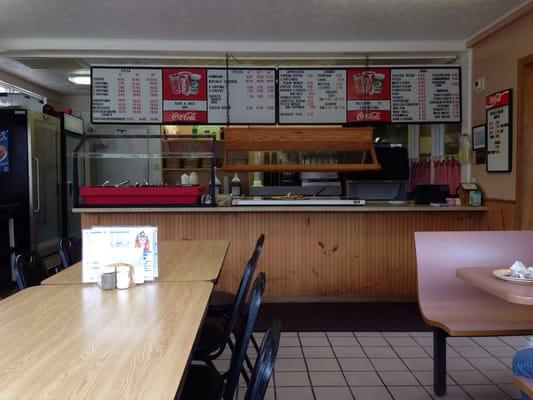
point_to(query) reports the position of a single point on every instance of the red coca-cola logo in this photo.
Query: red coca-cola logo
(494, 99)
(498, 99)
(187, 116)
(368, 116)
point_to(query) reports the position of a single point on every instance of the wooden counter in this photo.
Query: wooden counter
(311, 253)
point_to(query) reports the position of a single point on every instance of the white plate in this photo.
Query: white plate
(504, 274)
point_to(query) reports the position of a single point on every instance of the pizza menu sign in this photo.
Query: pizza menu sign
(196, 95)
(183, 95)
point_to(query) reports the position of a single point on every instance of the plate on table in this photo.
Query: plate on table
(505, 274)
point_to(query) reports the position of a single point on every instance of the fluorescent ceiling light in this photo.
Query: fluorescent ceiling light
(80, 79)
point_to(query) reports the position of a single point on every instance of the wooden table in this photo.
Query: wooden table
(79, 342)
(482, 278)
(179, 261)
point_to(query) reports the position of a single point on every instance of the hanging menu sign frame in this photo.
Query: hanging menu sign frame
(188, 95)
(268, 95)
(499, 140)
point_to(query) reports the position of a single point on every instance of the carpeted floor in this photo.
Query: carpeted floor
(383, 317)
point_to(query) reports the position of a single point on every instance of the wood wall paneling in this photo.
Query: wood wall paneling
(311, 255)
(500, 216)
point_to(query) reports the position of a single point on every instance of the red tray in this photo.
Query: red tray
(110, 195)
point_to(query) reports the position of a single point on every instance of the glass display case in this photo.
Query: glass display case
(130, 170)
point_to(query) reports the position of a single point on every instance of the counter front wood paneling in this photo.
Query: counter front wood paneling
(310, 255)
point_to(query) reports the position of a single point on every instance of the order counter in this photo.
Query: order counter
(311, 253)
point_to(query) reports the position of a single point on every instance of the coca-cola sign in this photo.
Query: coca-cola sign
(369, 116)
(497, 99)
(183, 116)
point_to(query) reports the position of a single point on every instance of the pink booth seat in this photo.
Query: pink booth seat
(457, 308)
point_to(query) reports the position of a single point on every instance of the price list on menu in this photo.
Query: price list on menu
(252, 96)
(312, 96)
(426, 95)
(126, 95)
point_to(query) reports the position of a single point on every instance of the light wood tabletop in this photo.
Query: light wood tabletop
(79, 342)
(482, 278)
(179, 261)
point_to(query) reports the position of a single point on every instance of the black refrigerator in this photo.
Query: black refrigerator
(30, 176)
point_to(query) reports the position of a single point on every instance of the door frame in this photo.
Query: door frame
(523, 64)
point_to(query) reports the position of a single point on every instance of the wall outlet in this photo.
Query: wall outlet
(479, 84)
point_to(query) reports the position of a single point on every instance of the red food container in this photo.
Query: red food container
(145, 195)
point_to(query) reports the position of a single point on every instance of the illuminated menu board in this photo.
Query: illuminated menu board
(126, 95)
(308, 96)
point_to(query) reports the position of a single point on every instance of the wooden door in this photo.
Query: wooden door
(525, 143)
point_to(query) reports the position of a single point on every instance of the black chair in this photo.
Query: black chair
(265, 363)
(223, 302)
(30, 270)
(217, 328)
(69, 251)
(204, 382)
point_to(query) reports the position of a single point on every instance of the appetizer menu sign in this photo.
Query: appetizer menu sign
(312, 96)
(499, 134)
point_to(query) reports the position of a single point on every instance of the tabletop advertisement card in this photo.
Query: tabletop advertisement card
(133, 245)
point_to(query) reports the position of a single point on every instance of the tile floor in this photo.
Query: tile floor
(389, 365)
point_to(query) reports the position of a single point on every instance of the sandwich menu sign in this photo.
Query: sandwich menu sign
(181, 95)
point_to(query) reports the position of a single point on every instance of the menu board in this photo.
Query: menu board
(200, 95)
(126, 95)
(425, 95)
(252, 96)
(499, 148)
(308, 96)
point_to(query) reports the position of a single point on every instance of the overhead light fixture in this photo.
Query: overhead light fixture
(80, 79)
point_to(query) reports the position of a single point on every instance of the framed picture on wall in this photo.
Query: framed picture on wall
(499, 136)
(478, 137)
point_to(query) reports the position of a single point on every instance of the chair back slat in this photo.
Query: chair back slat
(69, 251)
(30, 270)
(244, 336)
(265, 363)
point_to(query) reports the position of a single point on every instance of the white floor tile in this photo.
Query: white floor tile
(424, 340)
(409, 393)
(289, 341)
(472, 351)
(336, 334)
(458, 364)
(452, 393)
(383, 364)
(421, 333)
(333, 393)
(289, 352)
(487, 363)
(499, 376)
(426, 378)
(508, 361)
(291, 379)
(294, 393)
(372, 341)
(485, 392)
(363, 378)
(411, 352)
(289, 334)
(323, 364)
(501, 351)
(349, 352)
(380, 352)
(312, 334)
(455, 341)
(290, 364)
(402, 341)
(318, 352)
(343, 341)
(419, 364)
(356, 364)
(370, 393)
(488, 341)
(398, 378)
(469, 377)
(395, 334)
(314, 341)
(367, 334)
(327, 378)
(511, 390)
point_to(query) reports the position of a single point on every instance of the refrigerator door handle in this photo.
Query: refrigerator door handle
(38, 194)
